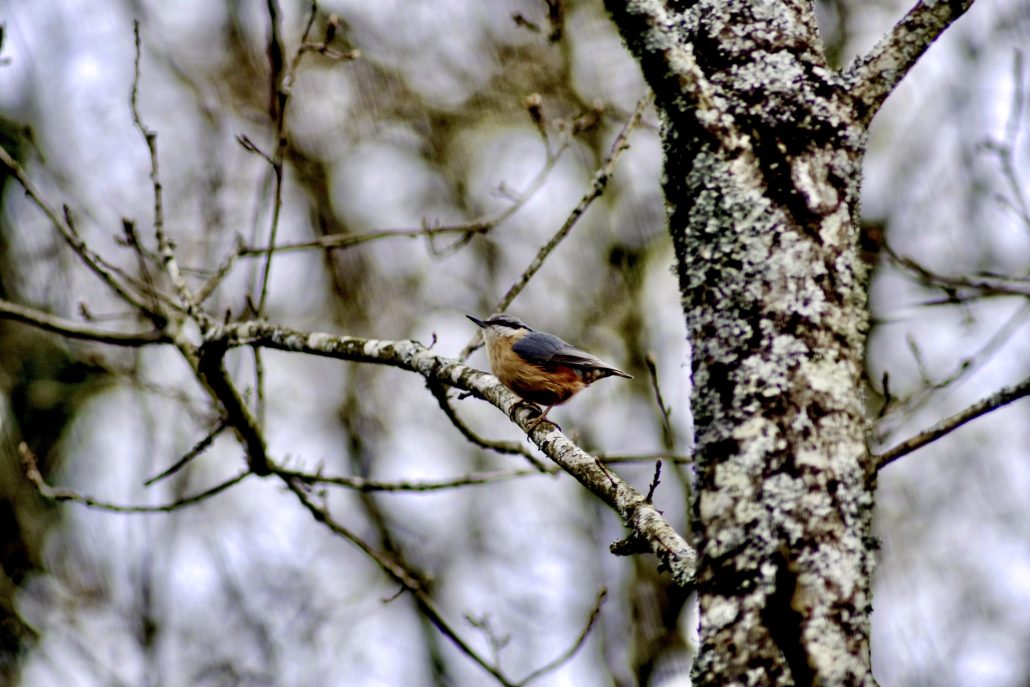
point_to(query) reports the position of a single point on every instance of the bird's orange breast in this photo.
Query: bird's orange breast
(543, 384)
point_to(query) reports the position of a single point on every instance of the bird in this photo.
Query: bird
(540, 368)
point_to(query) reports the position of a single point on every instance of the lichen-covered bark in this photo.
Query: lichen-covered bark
(763, 158)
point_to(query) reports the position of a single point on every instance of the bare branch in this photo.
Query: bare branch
(207, 360)
(597, 187)
(616, 458)
(873, 76)
(900, 407)
(983, 285)
(668, 436)
(218, 276)
(76, 330)
(370, 485)
(411, 581)
(571, 651)
(279, 96)
(209, 363)
(340, 241)
(197, 449)
(993, 402)
(164, 245)
(640, 516)
(1006, 149)
(61, 221)
(439, 391)
(61, 494)
(655, 481)
(465, 230)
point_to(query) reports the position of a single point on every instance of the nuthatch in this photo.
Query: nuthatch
(539, 367)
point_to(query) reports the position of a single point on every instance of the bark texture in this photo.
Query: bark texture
(763, 161)
(763, 154)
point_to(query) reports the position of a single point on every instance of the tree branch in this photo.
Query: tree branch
(992, 402)
(61, 494)
(873, 76)
(164, 245)
(641, 517)
(465, 230)
(62, 222)
(405, 486)
(197, 449)
(439, 392)
(597, 186)
(409, 580)
(76, 330)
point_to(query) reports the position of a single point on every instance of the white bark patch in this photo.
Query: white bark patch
(809, 174)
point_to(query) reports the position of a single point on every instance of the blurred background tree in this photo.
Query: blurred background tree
(419, 115)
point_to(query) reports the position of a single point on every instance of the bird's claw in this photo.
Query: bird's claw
(536, 423)
(523, 404)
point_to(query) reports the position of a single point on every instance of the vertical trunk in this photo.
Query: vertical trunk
(763, 160)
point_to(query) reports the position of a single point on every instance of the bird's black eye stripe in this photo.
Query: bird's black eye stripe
(506, 321)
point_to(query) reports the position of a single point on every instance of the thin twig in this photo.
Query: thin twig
(439, 391)
(337, 241)
(571, 651)
(100, 267)
(993, 402)
(963, 368)
(197, 449)
(281, 82)
(1005, 149)
(597, 187)
(616, 458)
(412, 582)
(132, 241)
(668, 436)
(62, 494)
(279, 96)
(76, 330)
(369, 485)
(989, 286)
(655, 481)
(218, 276)
(164, 246)
(466, 230)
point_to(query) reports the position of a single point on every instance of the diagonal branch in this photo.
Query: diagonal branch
(991, 403)
(654, 34)
(641, 517)
(439, 392)
(209, 363)
(410, 580)
(597, 187)
(576, 645)
(873, 76)
(106, 272)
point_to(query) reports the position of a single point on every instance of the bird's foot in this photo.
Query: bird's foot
(523, 404)
(542, 418)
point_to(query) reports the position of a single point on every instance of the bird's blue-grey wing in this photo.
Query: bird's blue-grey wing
(539, 347)
(543, 348)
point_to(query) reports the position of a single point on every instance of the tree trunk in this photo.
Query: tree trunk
(763, 154)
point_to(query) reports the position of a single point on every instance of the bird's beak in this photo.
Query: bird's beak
(477, 321)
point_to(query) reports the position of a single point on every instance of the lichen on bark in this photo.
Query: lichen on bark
(763, 157)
